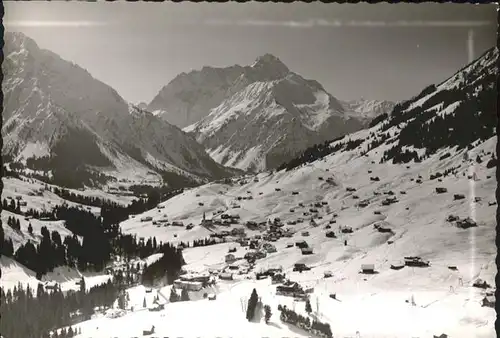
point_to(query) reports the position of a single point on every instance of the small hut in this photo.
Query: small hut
(367, 268)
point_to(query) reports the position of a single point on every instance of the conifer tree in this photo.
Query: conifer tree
(144, 302)
(268, 314)
(252, 304)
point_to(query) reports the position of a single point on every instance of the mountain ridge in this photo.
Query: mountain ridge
(39, 87)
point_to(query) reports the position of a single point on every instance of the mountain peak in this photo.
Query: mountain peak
(271, 64)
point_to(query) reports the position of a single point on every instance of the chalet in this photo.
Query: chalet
(363, 204)
(466, 223)
(237, 232)
(291, 289)
(269, 248)
(367, 268)
(300, 267)
(397, 266)
(146, 219)
(330, 234)
(188, 285)
(277, 278)
(327, 274)
(382, 229)
(479, 283)
(212, 297)
(441, 190)
(202, 278)
(230, 258)
(307, 251)
(301, 244)
(415, 262)
(305, 233)
(226, 276)
(458, 197)
(346, 230)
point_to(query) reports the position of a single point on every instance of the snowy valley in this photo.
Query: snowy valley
(341, 219)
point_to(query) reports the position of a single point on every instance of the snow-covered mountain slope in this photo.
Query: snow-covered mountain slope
(189, 97)
(360, 186)
(418, 227)
(268, 116)
(14, 273)
(53, 107)
(367, 110)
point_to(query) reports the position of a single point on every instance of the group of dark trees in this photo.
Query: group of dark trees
(24, 310)
(169, 266)
(174, 297)
(100, 239)
(78, 198)
(473, 118)
(14, 223)
(316, 327)
(204, 242)
(6, 244)
(11, 206)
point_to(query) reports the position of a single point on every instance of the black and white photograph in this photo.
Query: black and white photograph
(248, 170)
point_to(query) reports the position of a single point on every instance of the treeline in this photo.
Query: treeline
(203, 242)
(319, 151)
(14, 223)
(473, 118)
(128, 246)
(101, 239)
(11, 206)
(169, 266)
(24, 310)
(315, 327)
(78, 198)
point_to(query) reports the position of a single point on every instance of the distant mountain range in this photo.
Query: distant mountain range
(258, 116)
(459, 113)
(58, 118)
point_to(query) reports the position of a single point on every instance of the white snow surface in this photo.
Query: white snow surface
(375, 304)
(14, 273)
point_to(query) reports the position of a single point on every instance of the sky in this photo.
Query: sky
(372, 51)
